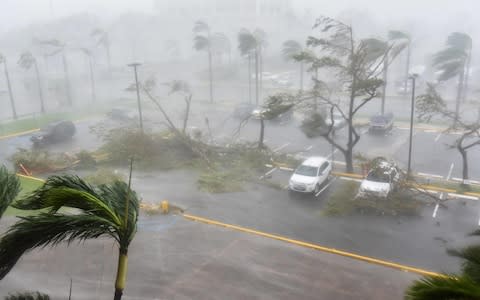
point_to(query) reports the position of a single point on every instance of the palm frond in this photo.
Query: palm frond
(201, 26)
(373, 49)
(26, 60)
(449, 70)
(396, 49)
(471, 261)
(201, 42)
(69, 191)
(246, 42)
(398, 35)
(9, 189)
(460, 41)
(443, 288)
(291, 49)
(47, 229)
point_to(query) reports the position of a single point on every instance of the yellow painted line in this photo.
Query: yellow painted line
(351, 175)
(436, 188)
(317, 247)
(18, 133)
(30, 177)
(472, 194)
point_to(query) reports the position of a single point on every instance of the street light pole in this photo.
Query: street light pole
(412, 110)
(135, 65)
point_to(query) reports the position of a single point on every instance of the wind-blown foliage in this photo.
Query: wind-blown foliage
(358, 64)
(104, 210)
(449, 287)
(9, 189)
(293, 51)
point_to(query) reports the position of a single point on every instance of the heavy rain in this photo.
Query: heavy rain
(239, 149)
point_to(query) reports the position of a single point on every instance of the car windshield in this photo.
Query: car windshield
(378, 177)
(306, 171)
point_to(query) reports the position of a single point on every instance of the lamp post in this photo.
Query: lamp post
(134, 66)
(412, 110)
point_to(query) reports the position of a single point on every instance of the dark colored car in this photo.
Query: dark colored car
(54, 133)
(381, 123)
(243, 111)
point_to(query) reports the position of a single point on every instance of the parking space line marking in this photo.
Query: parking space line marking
(429, 175)
(363, 131)
(463, 196)
(352, 255)
(326, 186)
(438, 137)
(309, 148)
(331, 154)
(450, 172)
(435, 211)
(430, 131)
(281, 147)
(268, 173)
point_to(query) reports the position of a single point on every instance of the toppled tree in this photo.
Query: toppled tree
(432, 104)
(182, 87)
(357, 63)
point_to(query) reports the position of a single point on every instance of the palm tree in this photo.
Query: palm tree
(203, 42)
(102, 39)
(400, 37)
(26, 61)
(3, 60)
(449, 287)
(292, 51)
(90, 58)
(251, 44)
(454, 61)
(59, 48)
(392, 48)
(104, 210)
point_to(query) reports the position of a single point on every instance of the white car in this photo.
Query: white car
(310, 175)
(380, 182)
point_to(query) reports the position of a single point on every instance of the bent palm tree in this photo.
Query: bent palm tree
(449, 287)
(404, 39)
(104, 210)
(102, 39)
(454, 61)
(202, 41)
(26, 61)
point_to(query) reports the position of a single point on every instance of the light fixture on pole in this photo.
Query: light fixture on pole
(134, 66)
(413, 77)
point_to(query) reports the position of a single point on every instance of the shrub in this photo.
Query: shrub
(28, 296)
(104, 176)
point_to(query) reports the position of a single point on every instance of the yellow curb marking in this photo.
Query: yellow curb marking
(317, 247)
(18, 133)
(30, 177)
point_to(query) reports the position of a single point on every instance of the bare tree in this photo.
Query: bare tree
(182, 87)
(430, 105)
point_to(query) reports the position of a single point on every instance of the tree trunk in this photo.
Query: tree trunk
(10, 93)
(256, 76)
(461, 82)
(301, 76)
(315, 99)
(349, 160)
(407, 69)
(262, 133)
(92, 80)
(210, 74)
(464, 165)
(121, 274)
(249, 78)
(188, 100)
(40, 92)
(260, 75)
(384, 86)
(109, 61)
(67, 79)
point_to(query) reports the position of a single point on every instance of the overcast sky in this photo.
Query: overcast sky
(23, 12)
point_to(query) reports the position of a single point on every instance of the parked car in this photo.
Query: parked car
(54, 133)
(338, 121)
(381, 123)
(381, 180)
(243, 110)
(119, 114)
(310, 175)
